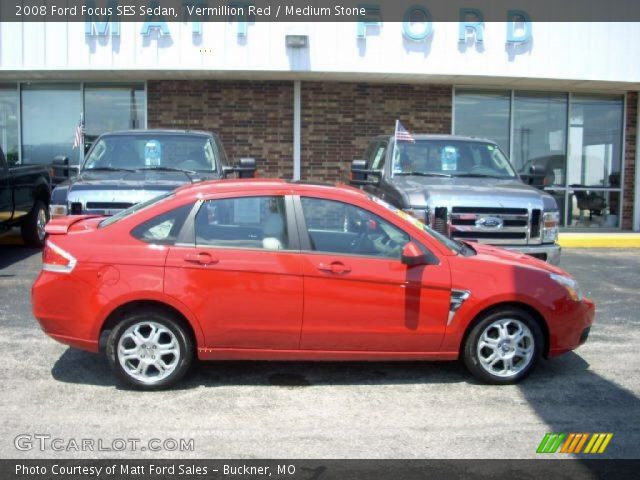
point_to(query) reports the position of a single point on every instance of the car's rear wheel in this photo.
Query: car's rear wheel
(32, 226)
(150, 350)
(504, 346)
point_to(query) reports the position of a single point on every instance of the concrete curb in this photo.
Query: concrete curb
(599, 240)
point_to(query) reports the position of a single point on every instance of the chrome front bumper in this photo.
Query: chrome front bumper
(550, 251)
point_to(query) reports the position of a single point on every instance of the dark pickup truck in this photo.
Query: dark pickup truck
(25, 191)
(464, 188)
(125, 168)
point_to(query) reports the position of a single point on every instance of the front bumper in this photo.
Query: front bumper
(547, 252)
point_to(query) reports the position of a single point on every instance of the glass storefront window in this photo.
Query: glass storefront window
(113, 107)
(594, 208)
(485, 114)
(595, 141)
(50, 115)
(539, 134)
(9, 117)
(575, 140)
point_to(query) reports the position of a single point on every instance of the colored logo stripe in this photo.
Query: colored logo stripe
(574, 443)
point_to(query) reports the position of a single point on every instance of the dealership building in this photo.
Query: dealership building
(304, 99)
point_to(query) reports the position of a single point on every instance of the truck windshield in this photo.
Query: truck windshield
(451, 158)
(447, 242)
(155, 151)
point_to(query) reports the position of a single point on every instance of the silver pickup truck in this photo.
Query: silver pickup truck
(462, 187)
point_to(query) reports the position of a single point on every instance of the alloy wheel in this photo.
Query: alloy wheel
(148, 352)
(506, 347)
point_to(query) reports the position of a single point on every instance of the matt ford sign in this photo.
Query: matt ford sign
(417, 19)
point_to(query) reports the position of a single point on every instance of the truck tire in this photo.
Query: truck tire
(504, 346)
(33, 224)
(149, 350)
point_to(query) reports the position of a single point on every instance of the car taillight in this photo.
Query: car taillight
(55, 259)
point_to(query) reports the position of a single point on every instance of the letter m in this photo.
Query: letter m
(550, 443)
(92, 27)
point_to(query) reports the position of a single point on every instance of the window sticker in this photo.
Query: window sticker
(449, 158)
(152, 153)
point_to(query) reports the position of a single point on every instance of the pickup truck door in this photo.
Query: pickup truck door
(6, 197)
(24, 178)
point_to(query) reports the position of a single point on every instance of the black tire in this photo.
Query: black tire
(185, 347)
(32, 232)
(471, 356)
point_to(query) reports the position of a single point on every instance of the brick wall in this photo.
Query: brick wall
(630, 159)
(338, 119)
(253, 119)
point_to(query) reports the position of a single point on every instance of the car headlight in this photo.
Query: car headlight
(57, 210)
(570, 285)
(550, 224)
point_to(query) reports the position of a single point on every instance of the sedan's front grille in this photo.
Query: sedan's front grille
(495, 225)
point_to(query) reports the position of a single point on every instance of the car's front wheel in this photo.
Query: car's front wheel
(504, 346)
(150, 350)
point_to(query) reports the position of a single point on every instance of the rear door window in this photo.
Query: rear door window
(243, 222)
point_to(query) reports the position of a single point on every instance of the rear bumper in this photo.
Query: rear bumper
(549, 252)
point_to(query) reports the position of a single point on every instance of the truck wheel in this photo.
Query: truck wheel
(149, 350)
(503, 347)
(32, 226)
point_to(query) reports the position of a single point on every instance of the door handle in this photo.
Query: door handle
(334, 267)
(202, 258)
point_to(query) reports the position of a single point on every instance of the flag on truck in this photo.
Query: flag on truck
(402, 134)
(78, 137)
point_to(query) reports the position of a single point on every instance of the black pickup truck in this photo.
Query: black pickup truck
(125, 168)
(25, 191)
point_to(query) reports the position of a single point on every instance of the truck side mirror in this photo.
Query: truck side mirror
(60, 167)
(245, 169)
(361, 175)
(535, 176)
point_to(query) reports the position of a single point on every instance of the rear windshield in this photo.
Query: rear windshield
(135, 208)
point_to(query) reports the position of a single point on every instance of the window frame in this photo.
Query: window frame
(187, 235)
(305, 241)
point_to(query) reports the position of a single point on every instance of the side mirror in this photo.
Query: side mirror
(245, 169)
(535, 177)
(361, 175)
(413, 255)
(60, 167)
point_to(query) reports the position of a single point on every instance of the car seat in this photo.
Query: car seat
(273, 232)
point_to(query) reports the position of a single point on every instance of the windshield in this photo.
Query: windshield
(447, 242)
(159, 151)
(135, 208)
(451, 158)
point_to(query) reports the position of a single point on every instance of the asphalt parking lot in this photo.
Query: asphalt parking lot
(327, 410)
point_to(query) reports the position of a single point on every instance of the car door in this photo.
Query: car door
(240, 273)
(358, 295)
(6, 200)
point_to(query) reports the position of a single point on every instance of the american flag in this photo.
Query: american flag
(402, 134)
(79, 134)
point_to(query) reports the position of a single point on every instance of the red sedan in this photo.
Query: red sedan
(257, 270)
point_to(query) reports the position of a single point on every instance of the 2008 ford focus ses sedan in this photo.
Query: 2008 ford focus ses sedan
(256, 270)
